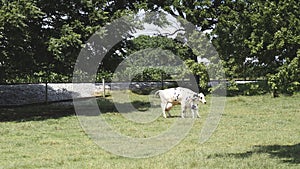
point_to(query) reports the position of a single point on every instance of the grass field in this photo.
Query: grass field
(254, 132)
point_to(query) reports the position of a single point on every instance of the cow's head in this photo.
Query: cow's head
(201, 98)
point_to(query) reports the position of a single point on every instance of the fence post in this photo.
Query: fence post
(46, 92)
(162, 80)
(103, 84)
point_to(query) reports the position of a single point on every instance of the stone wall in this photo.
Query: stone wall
(22, 94)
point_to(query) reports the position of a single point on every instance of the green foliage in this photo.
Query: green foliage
(255, 88)
(232, 89)
(107, 76)
(151, 74)
(46, 36)
(150, 57)
(246, 89)
(287, 79)
(19, 38)
(163, 43)
(201, 70)
(150, 64)
(253, 38)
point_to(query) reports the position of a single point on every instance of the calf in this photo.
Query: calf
(183, 96)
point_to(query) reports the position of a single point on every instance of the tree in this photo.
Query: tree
(44, 38)
(253, 38)
(68, 25)
(287, 79)
(20, 38)
(275, 35)
(154, 55)
(257, 36)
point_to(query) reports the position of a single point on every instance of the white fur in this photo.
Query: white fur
(183, 96)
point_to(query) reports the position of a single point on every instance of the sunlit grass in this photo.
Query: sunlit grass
(254, 132)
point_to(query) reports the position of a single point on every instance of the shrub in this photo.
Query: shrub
(287, 79)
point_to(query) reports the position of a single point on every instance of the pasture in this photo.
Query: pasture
(254, 132)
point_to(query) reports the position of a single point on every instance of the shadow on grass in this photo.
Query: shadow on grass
(58, 110)
(35, 112)
(287, 153)
(107, 106)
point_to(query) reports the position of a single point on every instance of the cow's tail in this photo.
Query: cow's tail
(157, 93)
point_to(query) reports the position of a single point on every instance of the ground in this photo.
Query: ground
(254, 132)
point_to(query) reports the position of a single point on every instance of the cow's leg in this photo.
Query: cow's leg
(166, 108)
(163, 107)
(169, 115)
(183, 110)
(197, 112)
(193, 113)
(194, 108)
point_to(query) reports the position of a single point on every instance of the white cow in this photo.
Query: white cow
(183, 96)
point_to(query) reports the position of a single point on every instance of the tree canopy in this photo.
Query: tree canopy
(41, 39)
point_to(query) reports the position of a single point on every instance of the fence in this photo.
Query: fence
(24, 94)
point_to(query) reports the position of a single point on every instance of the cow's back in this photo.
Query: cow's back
(184, 92)
(166, 95)
(175, 95)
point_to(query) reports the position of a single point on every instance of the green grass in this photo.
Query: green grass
(254, 132)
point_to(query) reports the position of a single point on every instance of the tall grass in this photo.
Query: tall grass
(254, 132)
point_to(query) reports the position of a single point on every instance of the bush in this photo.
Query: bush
(247, 89)
(254, 88)
(104, 74)
(151, 74)
(287, 79)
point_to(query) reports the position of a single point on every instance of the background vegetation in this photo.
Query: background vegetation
(41, 39)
